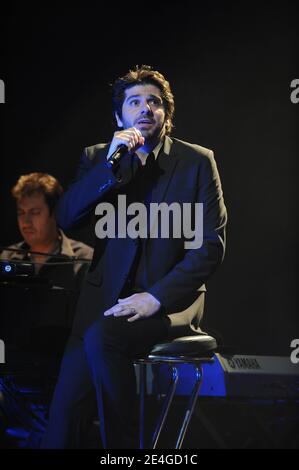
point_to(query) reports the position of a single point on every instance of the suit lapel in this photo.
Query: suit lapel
(167, 161)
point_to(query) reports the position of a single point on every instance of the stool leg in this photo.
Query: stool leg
(190, 407)
(166, 406)
(142, 392)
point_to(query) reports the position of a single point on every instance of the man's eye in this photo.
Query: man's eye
(154, 101)
(35, 212)
(134, 103)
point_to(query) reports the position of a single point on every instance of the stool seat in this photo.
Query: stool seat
(195, 350)
(185, 346)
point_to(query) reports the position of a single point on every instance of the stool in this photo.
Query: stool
(195, 350)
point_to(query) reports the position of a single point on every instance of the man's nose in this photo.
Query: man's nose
(26, 219)
(146, 109)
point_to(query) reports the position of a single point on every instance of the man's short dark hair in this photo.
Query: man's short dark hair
(42, 183)
(144, 74)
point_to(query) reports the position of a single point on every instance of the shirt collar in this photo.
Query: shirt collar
(158, 148)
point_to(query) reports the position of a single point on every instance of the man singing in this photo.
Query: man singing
(138, 291)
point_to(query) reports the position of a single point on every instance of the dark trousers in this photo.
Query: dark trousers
(97, 372)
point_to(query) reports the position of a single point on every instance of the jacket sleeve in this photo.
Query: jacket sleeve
(92, 183)
(198, 265)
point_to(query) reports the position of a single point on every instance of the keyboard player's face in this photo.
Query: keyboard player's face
(36, 225)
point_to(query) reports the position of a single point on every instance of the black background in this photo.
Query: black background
(230, 66)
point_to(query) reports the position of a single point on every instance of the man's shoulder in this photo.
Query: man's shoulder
(17, 245)
(183, 149)
(191, 151)
(9, 253)
(80, 249)
(96, 149)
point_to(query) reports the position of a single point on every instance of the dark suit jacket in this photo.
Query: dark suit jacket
(187, 173)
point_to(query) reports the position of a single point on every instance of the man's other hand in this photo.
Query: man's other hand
(140, 306)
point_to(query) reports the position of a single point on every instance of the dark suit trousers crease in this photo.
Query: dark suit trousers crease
(101, 363)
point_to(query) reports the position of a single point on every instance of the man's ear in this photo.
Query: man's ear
(118, 120)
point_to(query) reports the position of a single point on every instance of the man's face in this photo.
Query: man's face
(143, 108)
(35, 223)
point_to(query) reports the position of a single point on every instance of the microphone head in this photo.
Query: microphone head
(116, 155)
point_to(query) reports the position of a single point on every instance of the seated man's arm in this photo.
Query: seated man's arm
(92, 183)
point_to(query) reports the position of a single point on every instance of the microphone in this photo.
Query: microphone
(116, 155)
